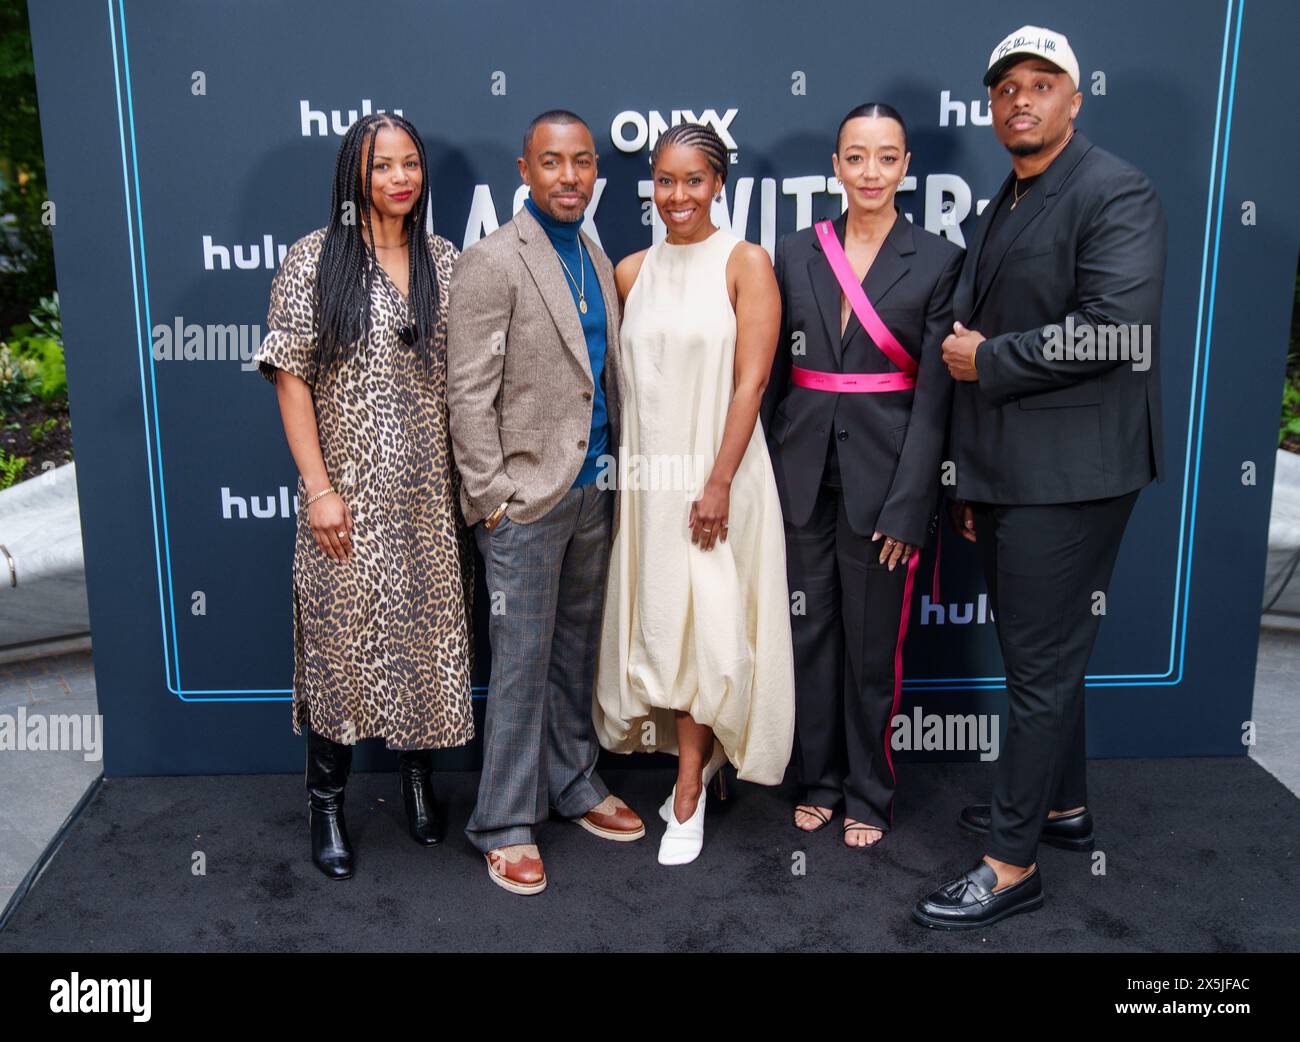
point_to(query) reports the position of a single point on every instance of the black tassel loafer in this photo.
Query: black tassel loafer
(968, 902)
(1067, 831)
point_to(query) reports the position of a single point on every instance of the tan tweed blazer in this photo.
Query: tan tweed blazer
(519, 386)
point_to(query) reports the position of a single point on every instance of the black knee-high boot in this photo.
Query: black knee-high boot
(423, 819)
(328, 763)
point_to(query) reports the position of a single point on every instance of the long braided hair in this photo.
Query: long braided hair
(695, 135)
(348, 265)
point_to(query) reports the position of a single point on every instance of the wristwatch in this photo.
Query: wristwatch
(493, 519)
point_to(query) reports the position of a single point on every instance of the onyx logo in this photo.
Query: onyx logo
(631, 131)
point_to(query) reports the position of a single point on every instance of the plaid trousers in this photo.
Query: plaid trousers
(546, 591)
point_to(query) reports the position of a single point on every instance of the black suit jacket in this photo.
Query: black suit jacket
(890, 443)
(1086, 243)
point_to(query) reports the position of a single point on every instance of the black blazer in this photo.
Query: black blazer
(890, 443)
(1088, 241)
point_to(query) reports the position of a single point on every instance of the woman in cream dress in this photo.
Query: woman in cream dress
(695, 654)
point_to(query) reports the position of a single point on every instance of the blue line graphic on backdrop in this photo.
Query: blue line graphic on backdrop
(149, 395)
(1196, 411)
(1177, 636)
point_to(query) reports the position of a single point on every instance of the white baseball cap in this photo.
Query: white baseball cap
(1033, 41)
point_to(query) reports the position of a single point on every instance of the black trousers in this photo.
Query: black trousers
(845, 643)
(1045, 567)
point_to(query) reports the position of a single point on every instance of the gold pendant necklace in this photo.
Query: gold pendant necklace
(1015, 185)
(582, 289)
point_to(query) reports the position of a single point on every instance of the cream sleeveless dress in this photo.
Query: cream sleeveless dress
(707, 632)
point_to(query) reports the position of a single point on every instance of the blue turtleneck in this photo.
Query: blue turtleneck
(564, 237)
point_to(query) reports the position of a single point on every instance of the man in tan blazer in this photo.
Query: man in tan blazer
(533, 401)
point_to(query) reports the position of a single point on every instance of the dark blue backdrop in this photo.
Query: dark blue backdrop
(189, 144)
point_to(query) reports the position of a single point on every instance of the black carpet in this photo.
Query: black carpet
(1200, 855)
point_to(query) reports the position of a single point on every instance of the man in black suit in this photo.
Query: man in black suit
(1055, 428)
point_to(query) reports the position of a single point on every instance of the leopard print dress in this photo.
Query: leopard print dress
(383, 642)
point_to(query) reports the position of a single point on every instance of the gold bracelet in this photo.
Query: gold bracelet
(318, 495)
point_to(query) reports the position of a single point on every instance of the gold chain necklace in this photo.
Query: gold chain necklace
(582, 289)
(1020, 195)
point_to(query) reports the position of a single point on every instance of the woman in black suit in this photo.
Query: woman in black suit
(856, 414)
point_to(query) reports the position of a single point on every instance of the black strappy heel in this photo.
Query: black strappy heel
(816, 812)
(860, 826)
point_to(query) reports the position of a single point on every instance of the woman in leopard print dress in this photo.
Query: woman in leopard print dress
(382, 568)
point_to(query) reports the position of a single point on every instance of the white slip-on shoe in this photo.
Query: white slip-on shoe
(714, 765)
(683, 840)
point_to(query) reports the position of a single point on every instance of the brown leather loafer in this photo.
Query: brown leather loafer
(613, 819)
(517, 869)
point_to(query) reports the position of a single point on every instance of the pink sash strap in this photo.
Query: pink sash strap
(869, 383)
(852, 289)
(938, 549)
(904, 616)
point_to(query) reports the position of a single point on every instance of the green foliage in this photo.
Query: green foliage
(17, 380)
(38, 432)
(35, 366)
(26, 248)
(1290, 406)
(10, 468)
(47, 319)
(51, 376)
(1290, 426)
